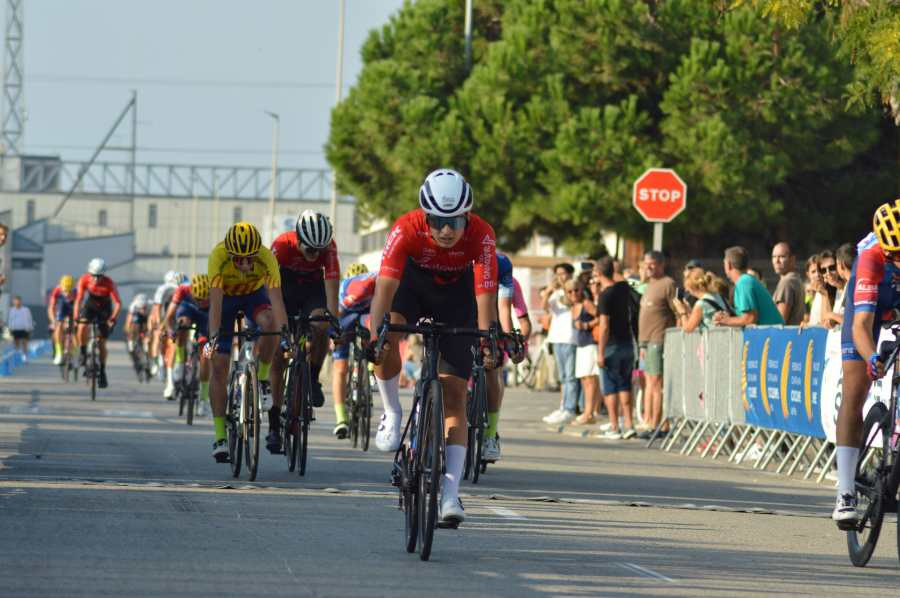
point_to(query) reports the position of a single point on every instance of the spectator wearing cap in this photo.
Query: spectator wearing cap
(658, 312)
(752, 302)
(789, 293)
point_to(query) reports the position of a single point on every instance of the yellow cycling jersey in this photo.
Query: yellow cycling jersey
(223, 274)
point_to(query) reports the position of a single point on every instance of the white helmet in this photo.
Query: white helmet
(445, 193)
(140, 301)
(173, 277)
(314, 230)
(97, 266)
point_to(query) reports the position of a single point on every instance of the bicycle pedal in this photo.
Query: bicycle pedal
(448, 524)
(848, 526)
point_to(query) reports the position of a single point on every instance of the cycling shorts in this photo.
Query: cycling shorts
(97, 309)
(64, 310)
(343, 351)
(251, 304)
(419, 296)
(301, 296)
(200, 317)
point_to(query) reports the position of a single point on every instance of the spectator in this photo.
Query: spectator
(561, 337)
(752, 301)
(704, 286)
(615, 349)
(815, 283)
(757, 275)
(836, 276)
(584, 319)
(658, 312)
(20, 325)
(412, 361)
(4, 233)
(683, 295)
(827, 291)
(789, 293)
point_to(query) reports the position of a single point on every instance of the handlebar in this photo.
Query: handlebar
(335, 332)
(429, 328)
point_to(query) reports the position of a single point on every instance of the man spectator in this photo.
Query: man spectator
(789, 293)
(561, 336)
(752, 302)
(658, 312)
(20, 325)
(615, 350)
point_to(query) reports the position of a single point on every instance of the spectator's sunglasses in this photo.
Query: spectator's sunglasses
(832, 268)
(243, 259)
(439, 222)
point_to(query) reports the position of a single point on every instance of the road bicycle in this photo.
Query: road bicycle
(297, 410)
(477, 407)
(243, 405)
(420, 461)
(359, 385)
(92, 357)
(878, 467)
(187, 388)
(67, 369)
(140, 359)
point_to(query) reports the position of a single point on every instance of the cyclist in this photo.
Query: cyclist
(190, 305)
(439, 261)
(161, 354)
(310, 273)
(509, 300)
(243, 276)
(354, 299)
(59, 311)
(98, 301)
(875, 294)
(136, 320)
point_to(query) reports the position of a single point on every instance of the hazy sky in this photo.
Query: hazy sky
(204, 70)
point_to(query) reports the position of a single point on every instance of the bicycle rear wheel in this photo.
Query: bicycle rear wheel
(364, 405)
(234, 428)
(870, 493)
(431, 465)
(408, 485)
(251, 423)
(352, 400)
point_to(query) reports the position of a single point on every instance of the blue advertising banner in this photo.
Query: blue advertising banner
(781, 381)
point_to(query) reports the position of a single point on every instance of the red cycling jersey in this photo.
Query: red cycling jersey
(410, 238)
(876, 285)
(289, 256)
(97, 287)
(58, 294)
(183, 293)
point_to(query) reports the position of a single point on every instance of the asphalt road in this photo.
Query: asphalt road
(119, 496)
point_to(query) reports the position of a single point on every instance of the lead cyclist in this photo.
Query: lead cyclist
(875, 287)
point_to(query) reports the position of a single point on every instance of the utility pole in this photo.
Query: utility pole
(468, 30)
(14, 105)
(276, 121)
(133, 157)
(338, 85)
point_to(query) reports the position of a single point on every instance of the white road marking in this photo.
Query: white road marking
(507, 513)
(646, 572)
(121, 413)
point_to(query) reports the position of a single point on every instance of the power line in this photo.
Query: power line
(174, 82)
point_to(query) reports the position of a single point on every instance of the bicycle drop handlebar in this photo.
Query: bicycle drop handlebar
(435, 329)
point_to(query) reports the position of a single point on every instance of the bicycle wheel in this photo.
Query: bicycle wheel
(480, 403)
(351, 402)
(364, 405)
(470, 438)
(64, 368)
(233, 424)
(95, 370)
(251, 423)
(408, 483)
(305, 416)
(431, 465)
(287, 419)
(870, 478)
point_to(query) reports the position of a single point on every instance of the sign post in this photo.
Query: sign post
(659, 196)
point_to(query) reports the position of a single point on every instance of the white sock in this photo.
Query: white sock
(390, 397)
(456, 460)
(170, 379)
(847, 456)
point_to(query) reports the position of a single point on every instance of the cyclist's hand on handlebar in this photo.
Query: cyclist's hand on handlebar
(874, 367)
(210, 348)
(372, 353)
(491, 360)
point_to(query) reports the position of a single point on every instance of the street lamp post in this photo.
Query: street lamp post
(276, 121)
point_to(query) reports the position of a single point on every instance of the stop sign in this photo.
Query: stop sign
(659, 195)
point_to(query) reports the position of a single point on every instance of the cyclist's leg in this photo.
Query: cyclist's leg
(339, 366)
(495, 400)
(289, 294)
(257, 305)
(221, 361)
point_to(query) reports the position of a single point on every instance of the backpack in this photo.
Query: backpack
(727, 306)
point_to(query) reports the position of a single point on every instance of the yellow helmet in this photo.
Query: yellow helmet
(886, 224)
(200, 286)
(355, 269)
(242, 239)
(66, 283)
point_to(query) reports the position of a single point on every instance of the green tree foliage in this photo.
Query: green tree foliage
(570, 100)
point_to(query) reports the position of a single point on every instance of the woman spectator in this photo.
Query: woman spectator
(826, 292)
(561, 337)
(838, 277)
(705, 287)
(584, 319)
(813, 284)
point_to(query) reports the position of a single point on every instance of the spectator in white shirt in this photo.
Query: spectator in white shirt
(561, 337)
(20, 325)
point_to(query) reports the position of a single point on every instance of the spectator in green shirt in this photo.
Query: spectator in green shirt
(752, 302)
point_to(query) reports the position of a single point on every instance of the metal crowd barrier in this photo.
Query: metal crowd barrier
(716, 390)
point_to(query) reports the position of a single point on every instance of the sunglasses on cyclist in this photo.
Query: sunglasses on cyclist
(243, 259)
(310, 250)
(439, 222)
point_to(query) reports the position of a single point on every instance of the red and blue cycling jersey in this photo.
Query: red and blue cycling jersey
(355, 293)
(875, 288)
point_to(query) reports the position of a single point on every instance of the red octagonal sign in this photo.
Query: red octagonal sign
(660, 195)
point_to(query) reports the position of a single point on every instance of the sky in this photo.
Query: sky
(205, 72)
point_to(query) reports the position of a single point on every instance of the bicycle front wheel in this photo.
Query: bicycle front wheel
(233, 421)
(431, 465)
(95, 369)
(305, 415)
(364, 405)
(251, 423)
(870, 480)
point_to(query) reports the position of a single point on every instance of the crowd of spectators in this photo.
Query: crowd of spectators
(606, 326)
